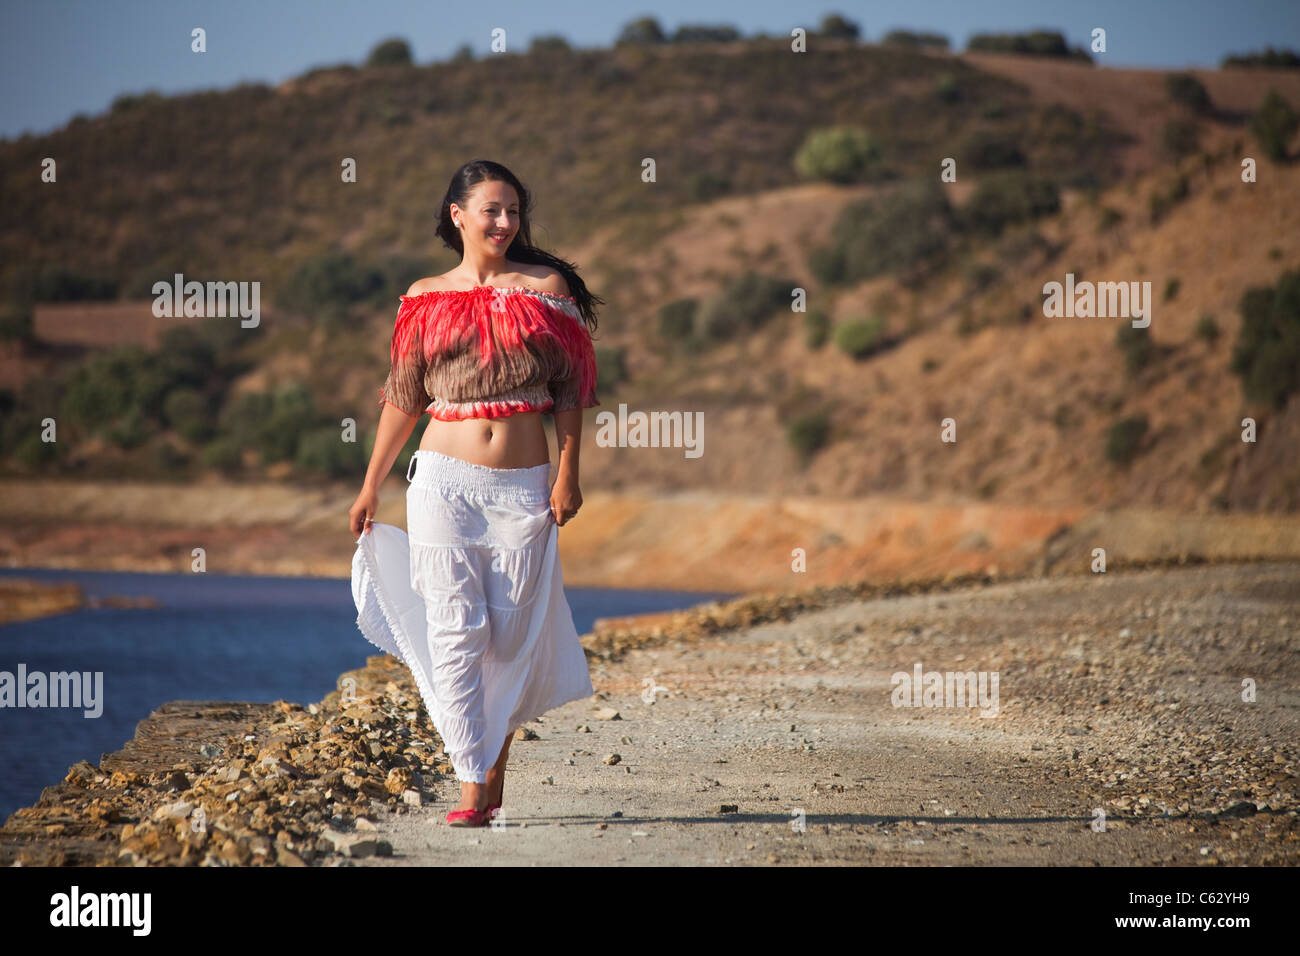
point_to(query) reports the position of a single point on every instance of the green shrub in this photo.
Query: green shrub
(1108, 218)
(225, 454)
(395, 52)
(1266, 355)
(643, 31)
(834, 25)
(1008, 197)
(1032, 43)
(841, 154)
(102, 390)
(706, 185)
(1186, 90)
(328, 283)
(1273, 125)
(817, 325)
(1181, 137)
(166, 460)
(745, 304)
(981, 276)
(58, 284)
(809, 433)
(611, 365)
(991, 149)
(1136, 345)
(705, 33)
(271, 423)
(1207, 330)
(16, 324)
(186, 410)
(913, 40)
(1125, 439)
(860, 338)
(1164, 198)
(34, 453)
(906, 231)
(323, 451)
(134, 101)
(946, 88)
(677, 320)
(1269, 58)
(550, 44)
(129, 430)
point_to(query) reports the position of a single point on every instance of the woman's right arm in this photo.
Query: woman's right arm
(395, 427)
(404, 399)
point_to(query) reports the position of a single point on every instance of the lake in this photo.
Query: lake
(213, 637)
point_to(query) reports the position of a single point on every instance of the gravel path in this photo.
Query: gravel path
(1118, 694)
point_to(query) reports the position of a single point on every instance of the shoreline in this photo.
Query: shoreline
(294, 785)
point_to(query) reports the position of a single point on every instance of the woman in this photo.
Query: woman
(472, 599)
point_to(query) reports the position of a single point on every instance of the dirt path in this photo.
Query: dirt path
(1119, 691)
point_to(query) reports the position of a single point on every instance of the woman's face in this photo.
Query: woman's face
(492, 210)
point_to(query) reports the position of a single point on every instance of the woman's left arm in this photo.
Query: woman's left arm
(566, 499)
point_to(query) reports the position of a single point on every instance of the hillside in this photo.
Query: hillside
(255, 193)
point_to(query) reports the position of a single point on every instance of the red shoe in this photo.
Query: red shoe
(468, 818)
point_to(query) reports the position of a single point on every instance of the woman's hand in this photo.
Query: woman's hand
(566, 499)
(364, 507)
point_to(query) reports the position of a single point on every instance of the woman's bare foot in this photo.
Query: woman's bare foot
(473, 796)
(479, 796)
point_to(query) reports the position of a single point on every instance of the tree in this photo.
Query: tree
(394, 52)
(642, 32)
(1273, 124)
(841, 154)
(1266, 355)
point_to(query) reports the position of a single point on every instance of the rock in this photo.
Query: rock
(365, 823)
(612, 759)
(608, 713)
(525, 733)
(173, 811)
(411, 798)
(399, 780)
(81, 774)
(286, 857)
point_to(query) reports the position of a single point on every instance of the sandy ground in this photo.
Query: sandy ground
(1118, 692)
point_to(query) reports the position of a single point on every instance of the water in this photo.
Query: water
(213, 637)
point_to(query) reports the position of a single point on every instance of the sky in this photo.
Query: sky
(59, 58)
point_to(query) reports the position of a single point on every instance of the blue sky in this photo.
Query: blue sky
(63, 57)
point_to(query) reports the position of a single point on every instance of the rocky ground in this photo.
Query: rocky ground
(1121, 738)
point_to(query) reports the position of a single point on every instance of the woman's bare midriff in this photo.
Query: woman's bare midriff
(513, 441)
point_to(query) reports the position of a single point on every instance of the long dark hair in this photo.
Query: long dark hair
(521, 247)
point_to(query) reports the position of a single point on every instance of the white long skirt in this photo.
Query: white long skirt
(472, 601)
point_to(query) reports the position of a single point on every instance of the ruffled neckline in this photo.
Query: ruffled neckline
(493, 288)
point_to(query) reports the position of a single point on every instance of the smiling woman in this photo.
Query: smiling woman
(472, 597)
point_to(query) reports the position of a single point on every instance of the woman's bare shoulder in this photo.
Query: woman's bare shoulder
(431, 284)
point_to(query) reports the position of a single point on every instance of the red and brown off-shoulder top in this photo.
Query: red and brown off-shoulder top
(489, 352)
